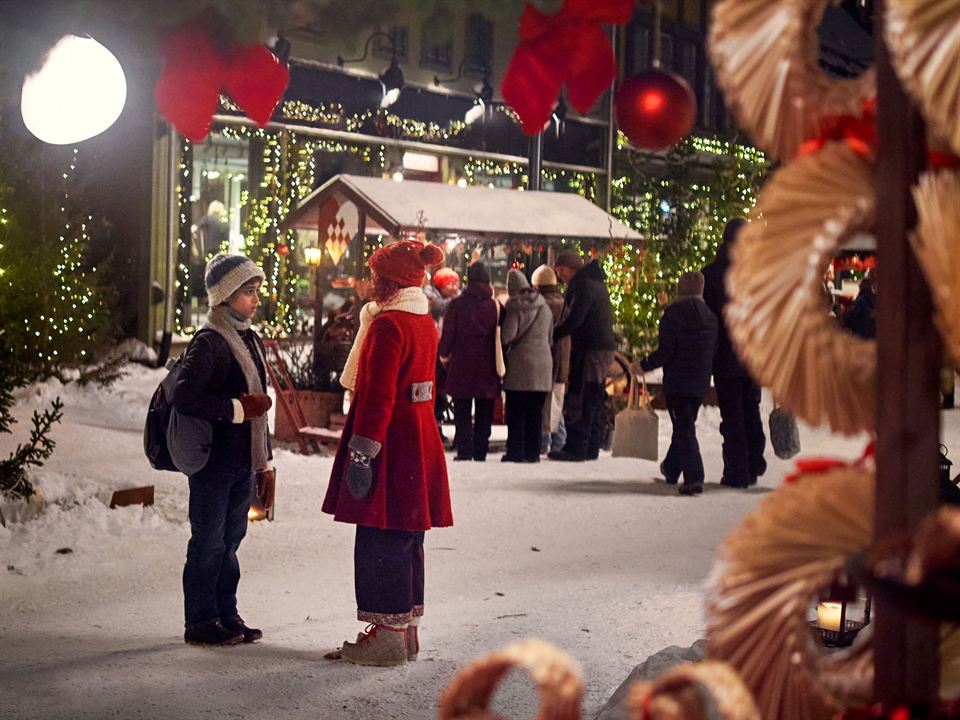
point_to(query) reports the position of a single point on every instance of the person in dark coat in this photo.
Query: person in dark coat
(389, 477)
(861, 316)
(738, 395)
(554, 433)
(443, 287)
(222, 380)
(688, 338)
(467, 350)
(527, 328)
(588, 322)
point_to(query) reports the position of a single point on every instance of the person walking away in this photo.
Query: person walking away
(443, 287)
(738, 395)
(687, 340)
(467, 350)
(222, 380)
(861, 316)
(588, 322)
(554, 433)
(527, 328)
(389, 476)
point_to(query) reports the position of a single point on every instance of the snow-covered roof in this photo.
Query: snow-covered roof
(480, 212)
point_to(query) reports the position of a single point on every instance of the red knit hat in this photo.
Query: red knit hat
(404, 262)
(444, 277)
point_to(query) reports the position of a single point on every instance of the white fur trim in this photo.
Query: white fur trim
(237, 412)
(233, 281)
(410, 299)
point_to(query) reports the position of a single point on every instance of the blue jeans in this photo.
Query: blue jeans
(219, 501)
(554, 440)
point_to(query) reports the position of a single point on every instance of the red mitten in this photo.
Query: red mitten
(255, 405)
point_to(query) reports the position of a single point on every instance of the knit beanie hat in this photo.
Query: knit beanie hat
(516, 282)
(570, 259)
(444, 277)
(478, 273)
(226, 274)
(543, 276)
(690, 284)
(405, 262)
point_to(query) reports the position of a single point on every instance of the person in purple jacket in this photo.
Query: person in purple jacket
(467, 351)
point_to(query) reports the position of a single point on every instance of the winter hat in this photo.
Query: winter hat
(405, 262)
(444, 277)
(516, 282)
(569, 259)
(690, 285)
(478, 273)
(226, 274)
(544, 276)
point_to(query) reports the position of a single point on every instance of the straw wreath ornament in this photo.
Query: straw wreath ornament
(936, 243)
(924, 41)
(693, 691)
(777, 316)
(765, 56)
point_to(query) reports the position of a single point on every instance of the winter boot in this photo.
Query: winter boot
(212, 633)
(236, 624)
(413, 643)
(379, 645)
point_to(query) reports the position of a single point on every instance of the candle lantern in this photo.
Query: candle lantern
(842, 612)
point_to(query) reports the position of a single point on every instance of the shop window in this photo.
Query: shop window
(666, 51)
(688, 62)
(436, 41)
(398, 41)
(478, 47)
(693, 13)
(669, 8)
(707, 99)
(641, 49)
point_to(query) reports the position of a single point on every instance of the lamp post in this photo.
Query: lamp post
(314, 257)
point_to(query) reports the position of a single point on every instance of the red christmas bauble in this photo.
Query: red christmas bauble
(283, 250)
(655, 109)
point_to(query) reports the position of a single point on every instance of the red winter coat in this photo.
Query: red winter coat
(410, 490)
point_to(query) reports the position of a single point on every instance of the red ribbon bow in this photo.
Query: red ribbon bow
(818, 466)
(569, 47)
(860, 133)
(194, 71)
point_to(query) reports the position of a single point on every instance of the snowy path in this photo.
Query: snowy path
(597, 558)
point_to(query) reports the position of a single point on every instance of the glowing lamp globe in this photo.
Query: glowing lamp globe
(77, 93)
(655, 109)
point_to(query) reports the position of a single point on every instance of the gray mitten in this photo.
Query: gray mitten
(360, 470)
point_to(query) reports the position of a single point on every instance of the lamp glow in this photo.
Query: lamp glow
(77, 93)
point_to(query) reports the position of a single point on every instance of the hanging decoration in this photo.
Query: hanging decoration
(468, 695)
(338, 222)
(78, 92)
(655, 109)
(936, 243)
(688, 690)
(765, 57)
(570, 47)
(777, 316)
(195, 71)
(924, 44)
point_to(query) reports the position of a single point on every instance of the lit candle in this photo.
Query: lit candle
(828, 615)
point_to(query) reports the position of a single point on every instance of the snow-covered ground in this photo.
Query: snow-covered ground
(598, 558)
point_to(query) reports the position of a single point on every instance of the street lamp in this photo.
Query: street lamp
(837, 624)
(391, 79)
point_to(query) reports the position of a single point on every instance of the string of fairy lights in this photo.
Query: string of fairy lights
(288, 163)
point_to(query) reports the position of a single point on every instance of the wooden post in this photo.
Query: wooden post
(908, 361)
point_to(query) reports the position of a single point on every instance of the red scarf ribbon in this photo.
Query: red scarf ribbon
(569, 47)
(194, 71)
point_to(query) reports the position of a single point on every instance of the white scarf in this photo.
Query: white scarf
(409, 299)
(221, 320)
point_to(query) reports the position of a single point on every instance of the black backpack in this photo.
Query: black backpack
(158, 420)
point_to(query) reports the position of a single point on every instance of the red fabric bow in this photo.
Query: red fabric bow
(569, 47)
(194, 71)
(860, 133)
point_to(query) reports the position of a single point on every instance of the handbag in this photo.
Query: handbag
(501, 363)
(636, 429)
(784, 433)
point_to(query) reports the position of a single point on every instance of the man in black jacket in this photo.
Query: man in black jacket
(688, 338)
(588, 321)
(737, 394)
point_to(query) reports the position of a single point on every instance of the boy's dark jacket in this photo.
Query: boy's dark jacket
(209, 380)
(688, 338)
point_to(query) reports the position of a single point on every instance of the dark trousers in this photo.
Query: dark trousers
(388, 575)
(524, 411)
(683, 457)
(742, 429)
(219, 501)
(473, 428)
(586, 417)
